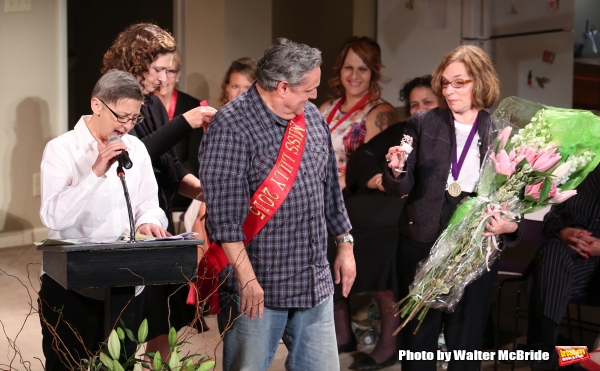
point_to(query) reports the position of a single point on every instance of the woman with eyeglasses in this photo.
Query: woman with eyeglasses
(177, 103)
(449, 145)
(146, 51)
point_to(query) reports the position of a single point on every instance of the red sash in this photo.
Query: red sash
(172, 104)
(263, 204)
(359, 104)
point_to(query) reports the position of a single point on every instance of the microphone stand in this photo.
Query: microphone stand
(121, 174)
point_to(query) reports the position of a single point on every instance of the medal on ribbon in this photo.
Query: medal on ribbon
(454, 189)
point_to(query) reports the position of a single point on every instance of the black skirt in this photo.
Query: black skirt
(374, 217)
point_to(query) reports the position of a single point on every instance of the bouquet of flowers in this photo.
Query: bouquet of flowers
(537, 156)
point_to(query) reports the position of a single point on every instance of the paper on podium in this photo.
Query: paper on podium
(181, 236)
(79, 241)
(113, 239)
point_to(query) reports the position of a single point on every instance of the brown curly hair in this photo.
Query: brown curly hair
(137, 47)
(246, 66)
(370, 53)
(486, 85)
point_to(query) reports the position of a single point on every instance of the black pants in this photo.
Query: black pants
(58, 307)
(463, 328)
(560, 275)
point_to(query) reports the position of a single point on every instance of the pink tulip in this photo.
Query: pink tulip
(545, 160)
(562, 196)
(503, 163)
(529, 153)
(553, 189)
(534, 190)
(514, 158)
(504, 135)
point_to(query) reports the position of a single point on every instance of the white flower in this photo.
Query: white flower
(562, 170)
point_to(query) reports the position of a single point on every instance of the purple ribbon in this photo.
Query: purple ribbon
(456, 166)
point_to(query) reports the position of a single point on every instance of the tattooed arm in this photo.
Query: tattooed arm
(380, 119)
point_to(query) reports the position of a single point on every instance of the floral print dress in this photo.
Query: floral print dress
(350, 134)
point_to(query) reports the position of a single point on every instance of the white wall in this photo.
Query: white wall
(213, 39)
(408, 47)
(32, 110)
(587, 10)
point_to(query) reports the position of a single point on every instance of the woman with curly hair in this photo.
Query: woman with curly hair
(146, 51)
(239, 77)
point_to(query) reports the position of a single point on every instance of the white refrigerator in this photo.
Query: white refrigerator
(529, 41)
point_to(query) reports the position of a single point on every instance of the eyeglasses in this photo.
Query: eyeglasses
(172, 73)
(124, 119)
(457, 84)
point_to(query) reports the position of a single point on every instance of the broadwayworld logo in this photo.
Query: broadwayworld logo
(569, 355)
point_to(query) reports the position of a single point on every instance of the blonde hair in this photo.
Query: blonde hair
(486, 85)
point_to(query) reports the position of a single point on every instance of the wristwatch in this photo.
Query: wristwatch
(346, 238)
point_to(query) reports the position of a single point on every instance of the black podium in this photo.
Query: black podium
(119, 267)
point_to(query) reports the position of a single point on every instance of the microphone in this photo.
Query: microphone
(123, 157)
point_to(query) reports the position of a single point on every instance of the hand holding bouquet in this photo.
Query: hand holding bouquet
(538, 157)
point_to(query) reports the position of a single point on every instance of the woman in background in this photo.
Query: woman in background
(239, 77)
(357, 113)
(465, 83)
(176, 103)
(146, 51)
(374, 217)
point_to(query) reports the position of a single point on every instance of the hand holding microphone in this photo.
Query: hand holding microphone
(122, 157)
(109, 155)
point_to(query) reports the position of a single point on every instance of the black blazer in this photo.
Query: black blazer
(187, 148)
(581, 211)
(160, 135)
(427, 172)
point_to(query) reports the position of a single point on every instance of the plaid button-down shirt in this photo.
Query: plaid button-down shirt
(289, 255)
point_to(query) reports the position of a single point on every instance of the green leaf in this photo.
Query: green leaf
(172, 337)
(174, 358)
(137, 367)
(129, 334)
(114, 345)
(106, 360)
(118, 366)
(120, 333)
(143, 331)
(157, 361)
(206, 366)
(499, 179)
(522, 163)
(545, 190)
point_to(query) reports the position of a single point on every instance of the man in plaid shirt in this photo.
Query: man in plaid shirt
(280, 284)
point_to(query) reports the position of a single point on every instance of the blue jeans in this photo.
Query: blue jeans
(308, 334)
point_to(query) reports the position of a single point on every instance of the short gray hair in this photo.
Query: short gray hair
(115, 85)
(286, 61)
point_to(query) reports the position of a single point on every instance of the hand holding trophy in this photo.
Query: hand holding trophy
(397, 155)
